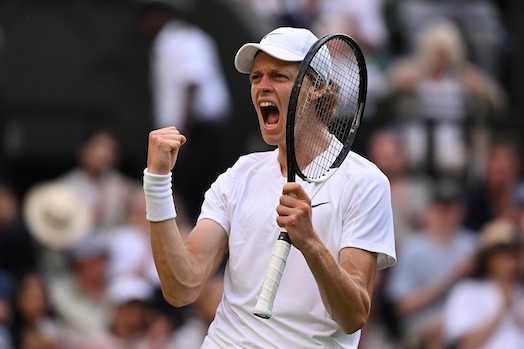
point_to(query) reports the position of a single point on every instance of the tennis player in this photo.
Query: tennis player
(340, 239)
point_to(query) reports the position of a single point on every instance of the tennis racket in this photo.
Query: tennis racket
(325, 107)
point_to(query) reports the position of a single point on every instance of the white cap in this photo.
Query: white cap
(286, 43)
(127, 288)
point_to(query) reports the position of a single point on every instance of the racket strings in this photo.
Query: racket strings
(325, 114)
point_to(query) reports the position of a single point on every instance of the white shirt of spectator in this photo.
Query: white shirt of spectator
(183, 55)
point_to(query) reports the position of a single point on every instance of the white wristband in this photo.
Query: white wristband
(160, 205)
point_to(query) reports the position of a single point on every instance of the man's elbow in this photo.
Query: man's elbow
(352, 321)
(355, 323)
(178, 299)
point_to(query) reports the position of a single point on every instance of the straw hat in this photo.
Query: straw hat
(499, 234)
(56, 214)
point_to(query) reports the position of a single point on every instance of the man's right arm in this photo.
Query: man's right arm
(184, 267)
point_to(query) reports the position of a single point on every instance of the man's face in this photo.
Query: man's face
(271, 84)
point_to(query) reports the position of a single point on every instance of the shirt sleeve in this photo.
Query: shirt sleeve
(368, 220)
(216, 201)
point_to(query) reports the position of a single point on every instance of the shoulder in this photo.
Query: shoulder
(364, 174)
(359, 166)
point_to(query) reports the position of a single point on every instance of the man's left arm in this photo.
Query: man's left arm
(346, 286)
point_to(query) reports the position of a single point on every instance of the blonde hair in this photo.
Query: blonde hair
(441, 35)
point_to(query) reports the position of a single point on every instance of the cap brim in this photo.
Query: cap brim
(246, 55)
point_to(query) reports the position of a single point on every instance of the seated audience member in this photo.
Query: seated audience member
(493, 195)
(410, 194)
(96, 176)
(129, 297)
(436, 90)
(481, 23)
(487, 312)
(34, 324)
(80, 296)
(431, 263)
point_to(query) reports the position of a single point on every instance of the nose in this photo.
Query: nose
(264, 84)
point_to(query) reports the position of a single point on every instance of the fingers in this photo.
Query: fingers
(163, 148)
(294, 205)
(170, 135)
(295, 190)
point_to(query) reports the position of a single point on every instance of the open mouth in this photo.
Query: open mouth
(270, 113)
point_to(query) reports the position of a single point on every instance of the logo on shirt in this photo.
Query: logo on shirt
(320, 204)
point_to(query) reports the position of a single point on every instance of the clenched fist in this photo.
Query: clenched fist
(163, 148)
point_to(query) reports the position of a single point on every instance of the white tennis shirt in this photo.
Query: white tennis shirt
(353, 209)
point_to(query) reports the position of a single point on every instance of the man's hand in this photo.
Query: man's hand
(163, 148)
(295, 214)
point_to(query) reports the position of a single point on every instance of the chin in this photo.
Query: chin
(270, 139)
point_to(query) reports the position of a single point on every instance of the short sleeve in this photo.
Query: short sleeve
(216, 201)
(368, 221)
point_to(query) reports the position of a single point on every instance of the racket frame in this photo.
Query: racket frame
(263, 307)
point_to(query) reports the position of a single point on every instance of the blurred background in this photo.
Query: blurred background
(83, 82)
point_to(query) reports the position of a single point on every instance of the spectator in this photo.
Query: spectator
(430, 264)
(436, 91)
(487, 312)
(190, 91)
(80, 297)
(410, 194)
(129, 297)
(34, 324)
(480, 22)
(96, 177)
(493, 196)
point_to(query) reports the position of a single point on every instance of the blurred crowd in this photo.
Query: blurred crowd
(76, 269)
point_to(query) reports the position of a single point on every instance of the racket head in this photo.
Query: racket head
(325, 107)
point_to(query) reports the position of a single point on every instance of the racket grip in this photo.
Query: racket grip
(264, 305)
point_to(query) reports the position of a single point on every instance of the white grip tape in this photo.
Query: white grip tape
(264, 305)
(160, 205)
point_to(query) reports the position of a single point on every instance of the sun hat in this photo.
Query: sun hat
(285, 43)
(499, 234)
(56, 214)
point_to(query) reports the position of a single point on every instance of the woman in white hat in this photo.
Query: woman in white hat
(488, 312)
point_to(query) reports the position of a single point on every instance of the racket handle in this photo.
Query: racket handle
(264, 305)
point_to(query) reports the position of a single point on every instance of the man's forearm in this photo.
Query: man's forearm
(346, 296)
(180, 276)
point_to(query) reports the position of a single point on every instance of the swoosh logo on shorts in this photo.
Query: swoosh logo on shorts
(320, 204)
